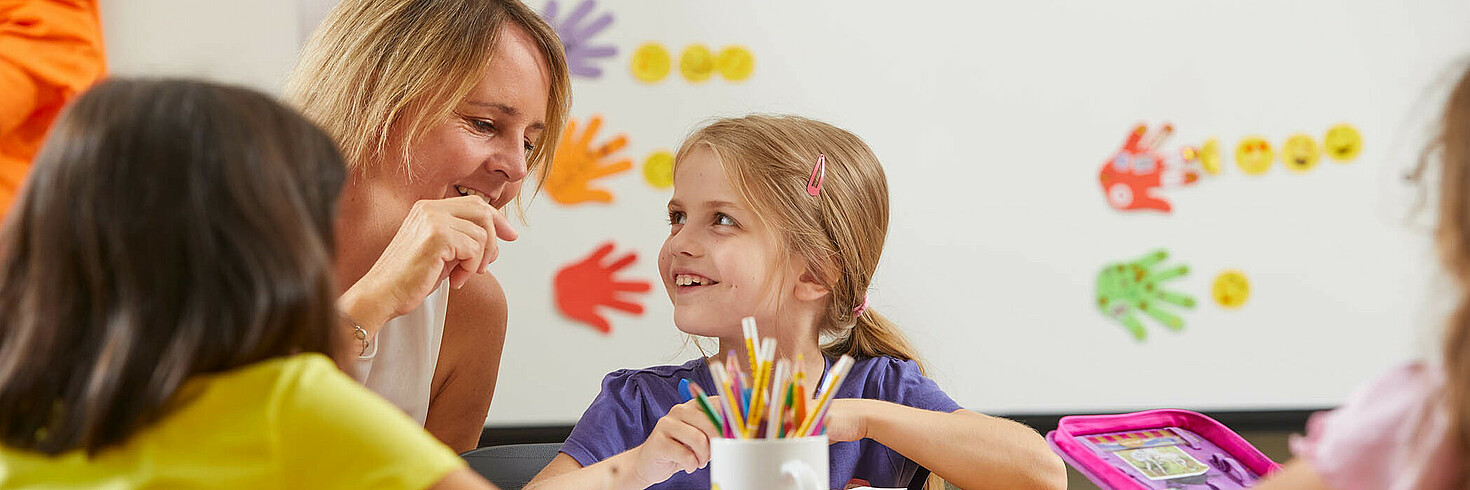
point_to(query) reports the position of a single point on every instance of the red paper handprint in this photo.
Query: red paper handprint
(577, 164)
(1130, 177)
(585, 285)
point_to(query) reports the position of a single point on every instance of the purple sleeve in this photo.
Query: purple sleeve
(905, 385)
(612, 424)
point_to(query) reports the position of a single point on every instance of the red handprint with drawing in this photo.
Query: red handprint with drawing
(584, 286)
(1130, 177)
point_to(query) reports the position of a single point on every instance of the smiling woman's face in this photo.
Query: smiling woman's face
(481, 147)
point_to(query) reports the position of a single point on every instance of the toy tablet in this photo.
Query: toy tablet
(1158, 450)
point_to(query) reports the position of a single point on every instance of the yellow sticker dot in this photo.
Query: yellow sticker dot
(735, 63)
(1343, 143)
(1231, 289)
(1254, 155)
(1209, 157)
(697, 64)
(650, 63)
(658, 169)
(1300, 153)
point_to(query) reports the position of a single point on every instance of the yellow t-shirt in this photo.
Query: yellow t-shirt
(293, 422)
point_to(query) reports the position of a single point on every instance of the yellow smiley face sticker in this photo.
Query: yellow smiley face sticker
(1300, 153)
(1343, 143)
(650, 63)
(1254, 155)
(1209, 157)
(697, 64)
(658, 169)
(735, 63)
(1231, 289)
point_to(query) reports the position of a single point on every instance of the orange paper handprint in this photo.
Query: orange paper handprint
(586, 285)
(577, 164)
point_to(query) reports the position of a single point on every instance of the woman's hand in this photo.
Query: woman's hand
(847, 419)
(680, 441)
(453, 238)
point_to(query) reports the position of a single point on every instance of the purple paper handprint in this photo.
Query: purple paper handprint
(577, 40)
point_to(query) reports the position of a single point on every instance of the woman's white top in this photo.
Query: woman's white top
(408, 351)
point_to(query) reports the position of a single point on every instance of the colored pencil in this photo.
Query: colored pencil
(705, 406)
(773, 420)
(836, 376)
(732, 403)
(762, 372)
(747, 327)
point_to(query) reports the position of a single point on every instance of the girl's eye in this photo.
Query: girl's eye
(676, 218)
(723, 219)
(530, 148)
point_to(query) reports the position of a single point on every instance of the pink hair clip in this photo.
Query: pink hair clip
(819, 173)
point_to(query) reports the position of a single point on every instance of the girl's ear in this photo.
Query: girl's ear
(808, 288)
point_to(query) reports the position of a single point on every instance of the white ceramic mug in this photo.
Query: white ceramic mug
(769, 464)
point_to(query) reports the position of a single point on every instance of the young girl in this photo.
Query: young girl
(757, 229)
(165, 284)
(1410, 428)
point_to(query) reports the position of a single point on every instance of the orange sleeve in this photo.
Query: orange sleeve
(50, 51)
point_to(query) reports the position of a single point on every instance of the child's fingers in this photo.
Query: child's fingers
(678, 452)
(677, 427)
(690, 413)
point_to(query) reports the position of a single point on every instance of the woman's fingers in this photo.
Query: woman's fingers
(477, 211)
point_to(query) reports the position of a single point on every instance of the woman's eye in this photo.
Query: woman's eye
(530, 148)
(482, 125)
(676, 217)
(724, 219)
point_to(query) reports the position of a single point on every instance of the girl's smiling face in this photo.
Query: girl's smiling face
(719, 260)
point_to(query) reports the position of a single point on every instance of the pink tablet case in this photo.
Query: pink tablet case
(1228, 455)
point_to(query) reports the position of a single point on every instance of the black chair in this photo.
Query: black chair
(511, 466)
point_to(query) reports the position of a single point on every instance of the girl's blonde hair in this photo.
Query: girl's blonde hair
(839, 232)
(380, 70)
(1452, 236)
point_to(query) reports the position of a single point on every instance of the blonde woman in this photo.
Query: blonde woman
(441, 108)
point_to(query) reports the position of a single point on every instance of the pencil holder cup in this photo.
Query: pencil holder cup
(769, 464)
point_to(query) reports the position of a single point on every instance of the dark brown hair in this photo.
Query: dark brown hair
(167, 229)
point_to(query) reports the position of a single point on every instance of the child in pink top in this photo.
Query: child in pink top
(1400, 431)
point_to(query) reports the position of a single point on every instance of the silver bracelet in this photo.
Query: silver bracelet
(361, 336)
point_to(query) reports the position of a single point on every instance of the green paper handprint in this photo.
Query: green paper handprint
(1125, 288)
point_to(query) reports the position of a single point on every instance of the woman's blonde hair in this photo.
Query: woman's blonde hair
(379, 70)
(839, 232)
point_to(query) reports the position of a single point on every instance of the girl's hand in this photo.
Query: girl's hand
(453, 238)
(680, 441)
(847, 419)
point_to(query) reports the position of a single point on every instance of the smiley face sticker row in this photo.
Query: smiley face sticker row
(651, 62)
(1300, 153)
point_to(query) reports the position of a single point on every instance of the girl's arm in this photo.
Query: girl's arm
(1297, 474)
(679, 442)
(965, 448)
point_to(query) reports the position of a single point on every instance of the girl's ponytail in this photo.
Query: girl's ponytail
(874, 335)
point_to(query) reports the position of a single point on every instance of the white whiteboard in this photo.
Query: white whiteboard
(992, 119)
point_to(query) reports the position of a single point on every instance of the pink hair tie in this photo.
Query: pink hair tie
(859, 309)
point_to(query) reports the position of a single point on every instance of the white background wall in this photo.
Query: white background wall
(992, 119)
